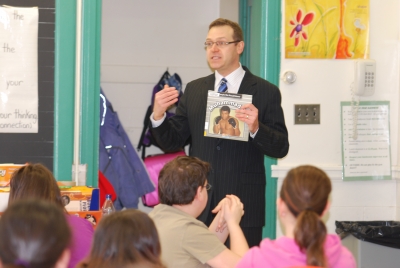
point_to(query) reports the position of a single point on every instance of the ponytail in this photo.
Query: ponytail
(309, 234)
(305, 191)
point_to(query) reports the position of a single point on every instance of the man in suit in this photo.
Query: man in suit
(237, 166)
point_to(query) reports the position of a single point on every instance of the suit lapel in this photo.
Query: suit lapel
(209, 82)
(248, 85)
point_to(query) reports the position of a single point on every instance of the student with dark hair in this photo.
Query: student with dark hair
(186, 241)
(125, 239)
(303, 201)
(34, 234)
(36, 181)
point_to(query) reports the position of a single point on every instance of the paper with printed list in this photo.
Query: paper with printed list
(18, 70)
(366, 140)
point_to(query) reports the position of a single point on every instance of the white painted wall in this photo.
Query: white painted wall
(327, 82)
(229, 9)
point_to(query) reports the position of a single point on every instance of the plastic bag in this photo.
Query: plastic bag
(385, 233)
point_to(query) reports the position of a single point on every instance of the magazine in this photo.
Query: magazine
(221, 121)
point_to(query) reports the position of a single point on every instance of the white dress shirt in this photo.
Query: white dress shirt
(234, 79)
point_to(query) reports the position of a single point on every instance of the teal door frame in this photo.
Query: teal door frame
(261, 23)
(64, 87)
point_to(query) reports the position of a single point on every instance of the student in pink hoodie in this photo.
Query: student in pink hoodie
(303, 201)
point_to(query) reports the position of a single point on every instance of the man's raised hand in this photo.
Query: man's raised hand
(163, 99)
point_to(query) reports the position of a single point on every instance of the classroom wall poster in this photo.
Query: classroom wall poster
(327, 29)
(366, 140)
(18, 70)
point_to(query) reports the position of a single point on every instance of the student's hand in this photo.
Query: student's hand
(248, 113)
(233, 209)
(221, 220)
(163, 99)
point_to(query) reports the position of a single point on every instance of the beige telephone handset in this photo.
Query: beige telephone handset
(364, 85)
(364, 77)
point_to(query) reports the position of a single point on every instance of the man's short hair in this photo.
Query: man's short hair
(237, 31)
(180, 178)
(225, 108)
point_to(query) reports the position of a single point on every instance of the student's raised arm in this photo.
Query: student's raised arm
(232, 211)
(218, 225)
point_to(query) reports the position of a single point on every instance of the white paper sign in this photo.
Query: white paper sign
(366, 141)
(18, 70)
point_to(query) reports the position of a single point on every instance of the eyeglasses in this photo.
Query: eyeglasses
(209, 44)
(207, 186)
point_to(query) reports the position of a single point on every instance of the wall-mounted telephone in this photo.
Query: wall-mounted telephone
(364, 85)
(364, 77)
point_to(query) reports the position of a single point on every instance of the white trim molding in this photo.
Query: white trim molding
(334, 172)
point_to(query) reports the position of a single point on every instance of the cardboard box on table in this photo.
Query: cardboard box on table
(82, 201)
(6, 171)
(92, 216)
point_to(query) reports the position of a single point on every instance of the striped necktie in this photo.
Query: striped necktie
(223, 87)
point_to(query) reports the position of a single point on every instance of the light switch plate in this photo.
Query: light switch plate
(307, 114)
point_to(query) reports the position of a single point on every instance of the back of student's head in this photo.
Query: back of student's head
(180, 178)
(34, 181)
(33, 234)
(305, 191)
(125, 238)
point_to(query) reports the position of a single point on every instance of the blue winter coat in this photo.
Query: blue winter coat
(119, 161)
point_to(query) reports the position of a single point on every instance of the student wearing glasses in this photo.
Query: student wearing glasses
(238, 167)
(186, 241)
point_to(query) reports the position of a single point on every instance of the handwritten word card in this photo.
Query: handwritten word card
(18, 70)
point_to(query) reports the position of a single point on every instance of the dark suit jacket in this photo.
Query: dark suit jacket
(237, 166)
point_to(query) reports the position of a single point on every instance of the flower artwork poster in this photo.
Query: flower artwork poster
(327, 29)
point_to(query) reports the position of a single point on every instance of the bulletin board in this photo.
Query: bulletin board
(37, 147)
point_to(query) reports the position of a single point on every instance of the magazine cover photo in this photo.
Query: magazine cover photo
(224, 123)
(221, 121)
